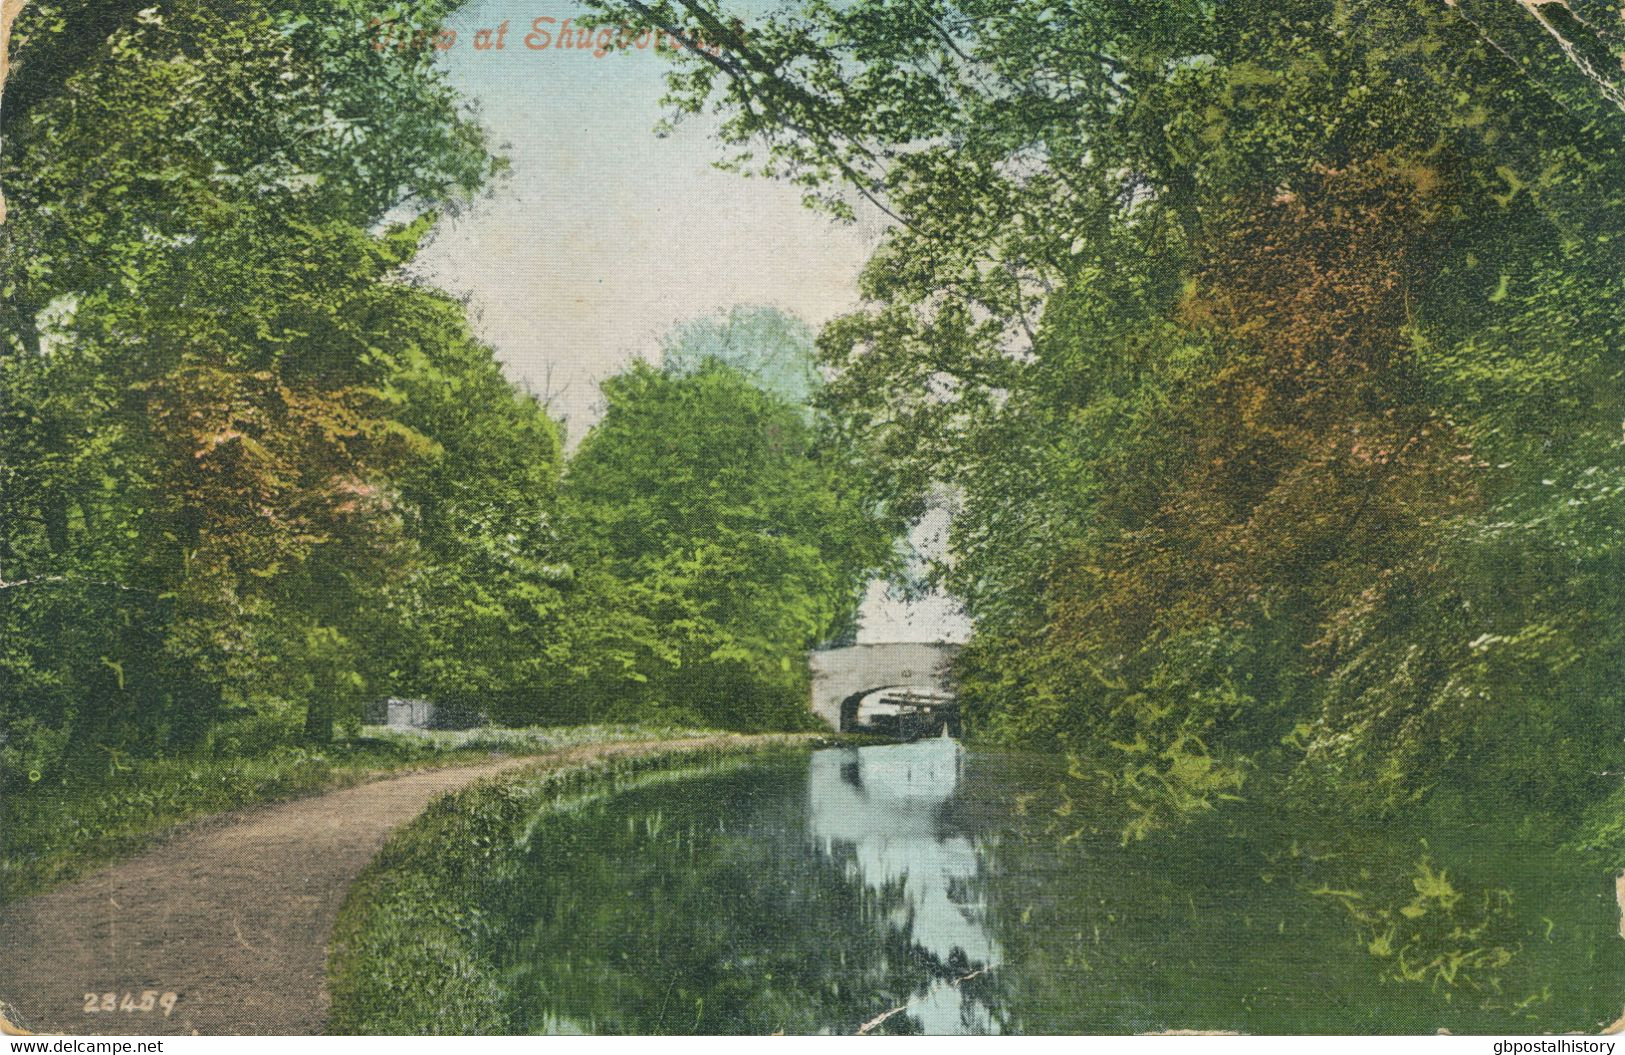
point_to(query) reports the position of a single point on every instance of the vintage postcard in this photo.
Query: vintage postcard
(812, 517)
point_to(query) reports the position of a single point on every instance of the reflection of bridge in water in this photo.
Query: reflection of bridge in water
(902, 689)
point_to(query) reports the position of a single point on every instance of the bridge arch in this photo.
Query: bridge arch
(842, 677)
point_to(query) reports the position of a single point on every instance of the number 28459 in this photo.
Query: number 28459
(149, 1000)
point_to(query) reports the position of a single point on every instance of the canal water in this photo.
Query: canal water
(924, 888)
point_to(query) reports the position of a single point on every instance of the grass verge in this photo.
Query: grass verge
(53, 832)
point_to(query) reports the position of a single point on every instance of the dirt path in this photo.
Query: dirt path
(232, 916)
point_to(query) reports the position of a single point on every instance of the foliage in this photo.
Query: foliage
(242, 459)
(1273, 350)
(732, 527)
(196, 445)
(774, 351)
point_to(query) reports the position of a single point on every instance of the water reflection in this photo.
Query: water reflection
(922, 888)
(886, 809)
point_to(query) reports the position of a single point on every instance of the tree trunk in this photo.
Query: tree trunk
(9, 10)
(319, 719)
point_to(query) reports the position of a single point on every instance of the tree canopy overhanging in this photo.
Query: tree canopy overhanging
(1273, 350)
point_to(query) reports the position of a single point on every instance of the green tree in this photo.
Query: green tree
(196, 446)
(773, 350)
(479, 623)
(741, 542)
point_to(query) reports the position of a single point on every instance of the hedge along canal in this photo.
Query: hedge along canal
(406, 956)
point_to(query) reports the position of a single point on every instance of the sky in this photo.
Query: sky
(603, 236)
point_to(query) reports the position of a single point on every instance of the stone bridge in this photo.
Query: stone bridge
(842, 677)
